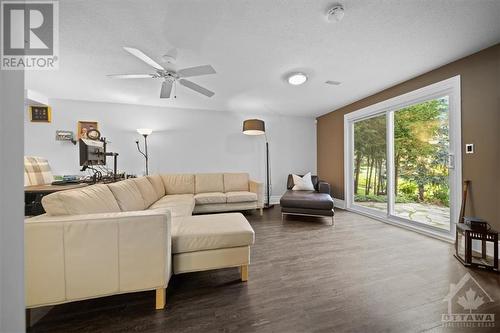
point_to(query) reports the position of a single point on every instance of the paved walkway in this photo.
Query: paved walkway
(436, 216)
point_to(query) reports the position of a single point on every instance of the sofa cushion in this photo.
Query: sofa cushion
(235, 182)
(176, 210)
(206, 232)
(178, 183)
(210, 198)
(147, 190)
(241, 196)
(209, 182)
(128, 195)
(88, 200)
(306, 199)
(177, 198)
(178, 204)
(157, 183)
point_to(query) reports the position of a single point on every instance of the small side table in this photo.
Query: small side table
(468, 234)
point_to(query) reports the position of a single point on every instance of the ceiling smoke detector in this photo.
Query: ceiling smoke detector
(335, 13)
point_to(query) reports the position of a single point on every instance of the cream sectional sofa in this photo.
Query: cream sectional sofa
(133, 235)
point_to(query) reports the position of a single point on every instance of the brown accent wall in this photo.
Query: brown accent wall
(480, 91)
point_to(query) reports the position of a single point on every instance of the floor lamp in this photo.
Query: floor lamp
(144, 132)
(258, 127)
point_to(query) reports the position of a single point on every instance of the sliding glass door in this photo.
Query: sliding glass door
(402, 159)
(421, 152)
(370, 163)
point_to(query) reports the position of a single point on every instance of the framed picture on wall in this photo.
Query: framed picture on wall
(84, 127)
(40, 114)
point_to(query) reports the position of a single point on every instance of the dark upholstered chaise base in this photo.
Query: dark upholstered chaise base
(308, 203)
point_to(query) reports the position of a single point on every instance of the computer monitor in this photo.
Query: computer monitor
(92, 152)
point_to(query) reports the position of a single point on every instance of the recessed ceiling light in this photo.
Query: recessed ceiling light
(297, 79)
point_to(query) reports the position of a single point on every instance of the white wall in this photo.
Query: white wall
(184, 140)
(11, 202)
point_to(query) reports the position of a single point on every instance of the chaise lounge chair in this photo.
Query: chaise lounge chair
(308, 203)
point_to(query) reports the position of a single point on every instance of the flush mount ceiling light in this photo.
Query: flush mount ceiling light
(297, 79)
(335, 13)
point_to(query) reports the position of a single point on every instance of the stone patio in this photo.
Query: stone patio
(436, 216)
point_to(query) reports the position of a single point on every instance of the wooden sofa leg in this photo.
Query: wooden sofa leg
(160, 298)
(244, 273)
(261, 211)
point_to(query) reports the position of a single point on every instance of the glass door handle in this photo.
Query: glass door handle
(451, 161)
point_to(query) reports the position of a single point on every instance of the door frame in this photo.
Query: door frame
(449, 87)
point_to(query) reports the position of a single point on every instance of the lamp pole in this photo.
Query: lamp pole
(268, 177)
(144, 132)
(146, 154)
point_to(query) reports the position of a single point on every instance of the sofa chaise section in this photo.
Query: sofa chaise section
(206, 242)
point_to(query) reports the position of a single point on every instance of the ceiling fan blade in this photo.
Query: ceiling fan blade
(166, 88)
(197, 88)
(131, 76)
(333, 83)
(139, 54)
(196, 71)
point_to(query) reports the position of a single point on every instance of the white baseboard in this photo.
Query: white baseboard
(275, 199)
(338, 203)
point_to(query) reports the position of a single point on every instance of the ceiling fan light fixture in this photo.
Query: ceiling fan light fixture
(296, 79)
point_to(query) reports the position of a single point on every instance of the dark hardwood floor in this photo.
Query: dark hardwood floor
(305, 276)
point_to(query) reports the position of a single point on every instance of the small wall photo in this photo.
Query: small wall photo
(84, 127)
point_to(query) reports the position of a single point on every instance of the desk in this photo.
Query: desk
(33, 196)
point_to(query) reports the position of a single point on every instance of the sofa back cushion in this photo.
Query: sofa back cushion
(178, 183)
(147, 190)
(88, 200)
(235, 182)
(209, 182)
(157, 183)
(128, 195)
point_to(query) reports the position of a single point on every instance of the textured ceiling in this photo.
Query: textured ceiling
(253, 44)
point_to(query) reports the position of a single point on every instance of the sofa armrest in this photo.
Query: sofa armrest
(85, 256)
(324, 187)
(258, 188)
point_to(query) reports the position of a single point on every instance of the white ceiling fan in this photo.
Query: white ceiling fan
(169, 77)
